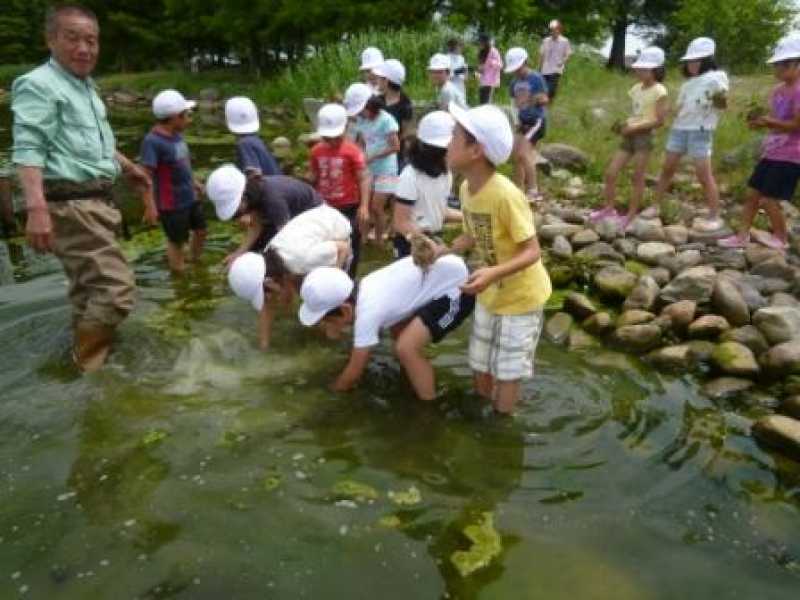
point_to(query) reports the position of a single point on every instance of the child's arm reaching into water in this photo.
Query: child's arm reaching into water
(350, 376)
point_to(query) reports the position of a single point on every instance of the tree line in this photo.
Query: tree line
(265, 34)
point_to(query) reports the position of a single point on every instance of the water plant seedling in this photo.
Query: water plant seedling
(486, 546)
(354, 490)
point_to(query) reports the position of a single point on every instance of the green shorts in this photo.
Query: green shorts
(639, 142)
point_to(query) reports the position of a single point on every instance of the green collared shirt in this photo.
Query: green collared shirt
(61, 126)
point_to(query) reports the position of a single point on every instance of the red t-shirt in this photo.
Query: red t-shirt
(336, 170)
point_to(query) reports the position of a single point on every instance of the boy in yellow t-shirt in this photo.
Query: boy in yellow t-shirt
(512, 285)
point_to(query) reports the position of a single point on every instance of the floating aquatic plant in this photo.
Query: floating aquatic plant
(271, 482)
(411, 497)
(354, 490)
(153, 437)
(390, 522)
(486, 546)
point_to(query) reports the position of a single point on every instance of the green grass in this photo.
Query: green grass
(8, 73)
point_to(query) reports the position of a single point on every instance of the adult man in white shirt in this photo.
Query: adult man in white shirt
(555, 53)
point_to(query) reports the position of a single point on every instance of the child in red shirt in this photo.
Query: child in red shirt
(339, 172)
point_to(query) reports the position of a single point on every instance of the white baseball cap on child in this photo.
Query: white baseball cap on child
(323, 289)
(224, 188)
(370, 58)
(241, 115)
(331, 120)
(170, 103)
(439, 62)
(788, 48)
(702, 47)
(515, 58)
(436, 129)
(246, 278)
(393, 70)
(356, 98)
(490, 127)
(649, 58)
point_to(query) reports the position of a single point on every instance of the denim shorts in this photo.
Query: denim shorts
(697, 143)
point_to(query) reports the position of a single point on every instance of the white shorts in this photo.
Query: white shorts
(504, 345)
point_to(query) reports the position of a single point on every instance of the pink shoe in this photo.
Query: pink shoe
(770, 241)
(625, 222)
(602, 213)
(734, 241)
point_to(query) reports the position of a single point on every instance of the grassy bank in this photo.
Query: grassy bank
(591, 97)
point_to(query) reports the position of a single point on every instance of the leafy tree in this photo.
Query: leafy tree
(621, 14)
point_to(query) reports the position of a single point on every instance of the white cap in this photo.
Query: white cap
(224, 188)
(490, 127)
(170, 103)
(436, 129)
(649, 58)
(439, 62)
(787, 49)
(700, 48)
(515, 58)
(246, 278)
(555, 24)
(241, 115)
(331, 120)
(393, 70)
(356, 98)
(323, 289)
(370, 58)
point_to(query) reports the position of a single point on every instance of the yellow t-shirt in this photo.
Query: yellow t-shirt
(499, 218)
(645, 102)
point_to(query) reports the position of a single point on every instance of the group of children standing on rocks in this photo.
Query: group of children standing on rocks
(304, 237)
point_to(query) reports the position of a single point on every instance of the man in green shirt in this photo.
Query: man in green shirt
(67, 161)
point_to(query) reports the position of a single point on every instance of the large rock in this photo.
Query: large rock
(681, 314)
(784, 299)
(778, 323)
(558, 327)
(749, 336)
(702, 350)
(695, 284)
(648, 230)
(644, 295)
(638, 338)
(722, 258)
(673, 358)
(581, 340)
(626, 247)
(634, 317)
(565, 156)
(652, 253)
(615, 282)
(779, 432)
(677, 235)
(561, 247)
(585, 237)
(783, 360)
(579, 306)
(599, 324)
(750, 293)
(708, 327)
(661, 275)
(725, 387)
(757, 254)
(736, 359)
(600, 251)
(686, 259)
(608, 229)
(774, 268)
(729, 302)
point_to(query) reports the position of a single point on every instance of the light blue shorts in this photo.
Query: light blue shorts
(697, 143)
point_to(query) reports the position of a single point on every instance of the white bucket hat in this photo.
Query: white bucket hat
(490, 127)
(224, 188)
(331, 120)
(370, 58)
(393, 70)
(700, 48)
(170, 103)
(323, 289)
(246, 278)
(787, 49)
(241, 115)
(439, 62)
(650, 58)
(436, 129)
(515, 58)
(356, 98)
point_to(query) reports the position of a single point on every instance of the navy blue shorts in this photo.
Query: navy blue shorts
(178, 223)
(445, 314)
(775, 179)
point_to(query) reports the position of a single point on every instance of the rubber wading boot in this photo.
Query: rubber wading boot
(92, 345)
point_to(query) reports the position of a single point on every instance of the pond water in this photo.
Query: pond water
(196, 467)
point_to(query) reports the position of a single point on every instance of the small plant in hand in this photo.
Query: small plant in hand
(423, 250)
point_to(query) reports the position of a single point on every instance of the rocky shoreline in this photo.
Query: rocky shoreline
(670, 295)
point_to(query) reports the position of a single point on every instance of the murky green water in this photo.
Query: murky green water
(196, 467)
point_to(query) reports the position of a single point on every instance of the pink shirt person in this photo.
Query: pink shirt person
(491, 68)
(783, 147)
